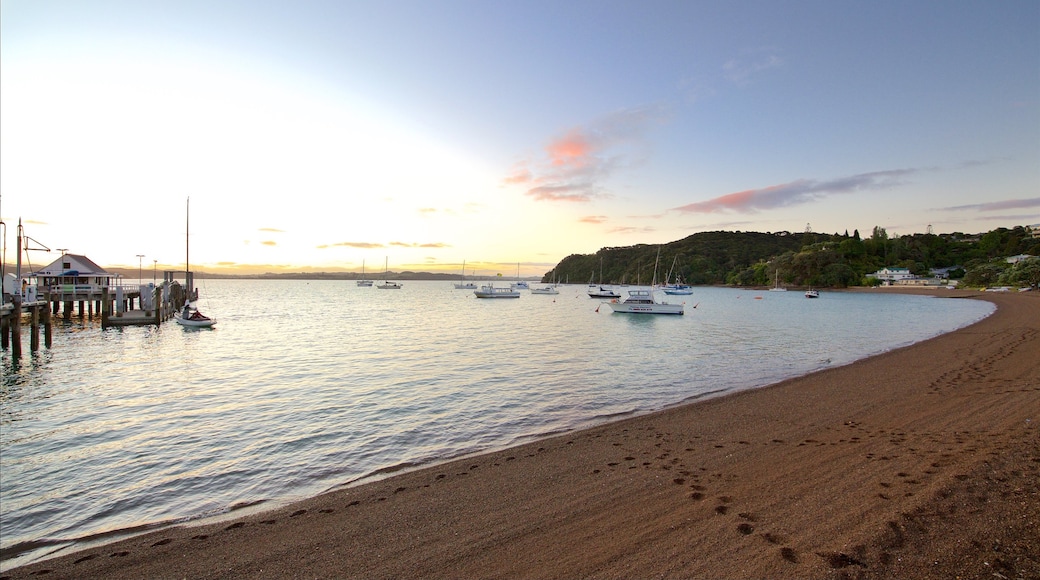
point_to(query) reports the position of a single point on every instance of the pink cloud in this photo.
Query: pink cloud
(593, 219)
(796, 192)
(998, 205)
(578, 162)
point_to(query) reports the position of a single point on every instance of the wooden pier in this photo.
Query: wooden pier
(134, 305)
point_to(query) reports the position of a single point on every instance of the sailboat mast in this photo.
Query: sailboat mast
(187, 218)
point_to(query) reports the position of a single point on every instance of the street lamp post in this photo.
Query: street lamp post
(139, 258)
(155, 263)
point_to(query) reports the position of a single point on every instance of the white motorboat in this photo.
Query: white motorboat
(811, 293)
(550, 289)
(642, 301)
(492, 291)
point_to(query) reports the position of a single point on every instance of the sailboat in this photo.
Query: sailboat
(599, 290)
(363, 281)
(776, 284)
(520, 284)
(190, 316)
(678, 288)
(388, 285)
(462, 284)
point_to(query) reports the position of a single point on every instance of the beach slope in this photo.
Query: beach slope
(923, 462)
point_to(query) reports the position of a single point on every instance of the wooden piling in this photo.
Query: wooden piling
(34, 328)
(105, 307)
(48, 332)
(16, 327)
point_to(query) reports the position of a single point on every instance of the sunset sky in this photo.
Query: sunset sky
(314, 135)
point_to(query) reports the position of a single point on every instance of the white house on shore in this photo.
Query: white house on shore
(889, 276)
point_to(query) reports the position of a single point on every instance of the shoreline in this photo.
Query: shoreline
(844, 469)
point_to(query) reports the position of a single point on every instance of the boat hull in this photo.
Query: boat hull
(644, 302)
(622, 308)
(601, 292)
(192, 323)
(492, 292)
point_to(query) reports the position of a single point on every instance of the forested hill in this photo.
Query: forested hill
(802, 259)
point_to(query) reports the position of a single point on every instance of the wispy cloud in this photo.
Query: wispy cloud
(268, 243)
(997, 205)
(631, 230)
(577, 163)
(272, 230)
(741, 71)
(419, 245)
(362, 245)
(797, 192)
(593, 219)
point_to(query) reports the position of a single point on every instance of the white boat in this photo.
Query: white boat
(776, 284)
(190, 315)
(811, 293)
(387, 284)
(678, 288)
(520, 284)
(492, 291)
(363, 281)
(548, 289)
(194, 318)
(463, 284)
(642, 301)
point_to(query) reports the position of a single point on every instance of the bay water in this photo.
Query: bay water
(304, 386)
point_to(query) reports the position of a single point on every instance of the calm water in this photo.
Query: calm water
(303, 386)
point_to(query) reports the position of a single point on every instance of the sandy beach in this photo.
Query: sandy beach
(923, 462)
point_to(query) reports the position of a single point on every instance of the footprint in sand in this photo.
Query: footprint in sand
(162, 542)
(85, 558)
(789, 555)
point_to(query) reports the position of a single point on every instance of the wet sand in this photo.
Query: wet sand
(923, 462)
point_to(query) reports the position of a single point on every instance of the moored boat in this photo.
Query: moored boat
(642, 301)
(194, 318)
(462, 284)
(363, 282)
(812, 293)
(388, 284)
(492, 291)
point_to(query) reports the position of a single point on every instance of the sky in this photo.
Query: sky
(318, 135)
